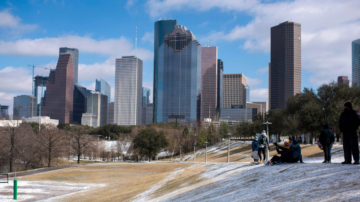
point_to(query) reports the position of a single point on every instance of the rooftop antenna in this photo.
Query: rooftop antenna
(136, 41)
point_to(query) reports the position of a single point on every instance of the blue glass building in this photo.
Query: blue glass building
(103, 87)
(178, 76)
(24, 106)
(356, 62)
(162, 27)
(80, 103)
(145, 96)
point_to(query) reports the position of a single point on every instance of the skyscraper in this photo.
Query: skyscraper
(220, 86)
(80, 103)
(75, 57)
(59, 95)
(128, 91)
(177, 78)
(97, 105)
(343, 80)
(110, 111)
(103, 87)
(356, 62)
(162, 27)
(39, 90)
(285, 67)
(24, 106)
(145, 96)
(4, 111)
(234, 93)
(209, 82)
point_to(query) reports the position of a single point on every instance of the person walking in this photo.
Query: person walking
(254, 147)
(262, 143)
(327, 139)
(348, 124)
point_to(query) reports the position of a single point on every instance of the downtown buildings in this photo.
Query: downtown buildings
(103, 87)
(128, 91)
(177, 75)
(355, 47)
(24, 107)
(285, 65)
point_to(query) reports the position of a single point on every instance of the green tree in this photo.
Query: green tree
(150, 142)
(201, 139)
(224, 129)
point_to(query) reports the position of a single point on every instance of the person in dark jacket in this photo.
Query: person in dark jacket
(349, 123)
(285, 153)
(296, 151)
(254, 147)
(326, 140)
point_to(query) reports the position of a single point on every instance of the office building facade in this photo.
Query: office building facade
(97, 105)
(178, 77)
(59, 96)
(355, 48)
(147, 114)
(80, 103)
(209, 82)
(103, 87)
(39, 90)
(343, 80)
(220, 84)
(285, 67)
(128, 91)
(237, 114)
(110, 112)
(24, 106)
(162, 27)
(145, 96)
(234, 92)
(4, 112)
(75, 58)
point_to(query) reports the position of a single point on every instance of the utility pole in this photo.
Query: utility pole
(206, 152)
(228, 159)
(180, 154)
(194, 152)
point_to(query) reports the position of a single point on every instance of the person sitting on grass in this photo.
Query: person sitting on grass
(296, 151)
(285, 153)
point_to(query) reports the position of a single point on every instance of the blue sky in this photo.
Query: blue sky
(31, 32)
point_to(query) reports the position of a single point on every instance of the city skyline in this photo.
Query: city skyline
(243, 43)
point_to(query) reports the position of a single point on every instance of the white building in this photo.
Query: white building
(128, 91)
(11, 123)
(89, 119)
(42, 120)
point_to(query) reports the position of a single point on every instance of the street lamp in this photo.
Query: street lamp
(206, 152)
(267, 133)
(180, 154)
(194, 152)
(228, 159)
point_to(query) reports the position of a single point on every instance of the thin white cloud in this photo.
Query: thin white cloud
(148, 37)
(253, 82)
(130, 3)
(259, 94)
(262, 70)
(12, 25)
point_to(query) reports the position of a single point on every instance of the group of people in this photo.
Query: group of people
(291, 151)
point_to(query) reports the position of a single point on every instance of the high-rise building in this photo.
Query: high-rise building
(220, 84)
(39, 90)
(269, 83)
(24, 106)
(80, 103)
(147, 114)
(355, 46)
(110, 111)
(177, 78)
(285, 67)
(263, 106)
(145, 96)
(128, 91)
(4, 112)
(343, 80)
(103, 87)
(97, 105)
(238, 114)
(209, 82)
(75, 58)
(89, 119)
(247, 93)
(234, 93)
(162, 27)
(59, 96)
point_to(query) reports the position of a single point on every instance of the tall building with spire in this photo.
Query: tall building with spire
(128, 91)
(285, 65)
(177, 77)
(58, 99)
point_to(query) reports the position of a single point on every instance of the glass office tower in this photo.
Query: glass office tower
(80, 103)
(103, 87)
(162, 27)
(178, 76)
(145, 96)
(356, 62)
(24, 106)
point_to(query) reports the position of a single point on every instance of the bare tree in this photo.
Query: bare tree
(80, 140)
(51, 141)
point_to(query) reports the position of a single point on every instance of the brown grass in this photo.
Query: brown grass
(123, 181)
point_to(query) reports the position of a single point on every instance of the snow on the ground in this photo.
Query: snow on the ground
(37, 191)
